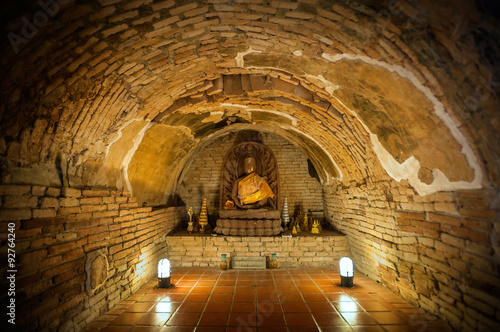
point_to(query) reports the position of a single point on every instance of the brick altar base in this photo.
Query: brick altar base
(261, 222)
(302, 251)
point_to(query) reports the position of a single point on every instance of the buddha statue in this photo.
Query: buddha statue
(251, 190)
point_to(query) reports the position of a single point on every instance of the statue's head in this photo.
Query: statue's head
(249, 165)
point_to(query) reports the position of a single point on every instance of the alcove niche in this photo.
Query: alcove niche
(201, 178)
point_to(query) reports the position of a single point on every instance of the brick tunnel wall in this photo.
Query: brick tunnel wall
(436, 251)
(431, 249)
(77, 252)
(202, 179)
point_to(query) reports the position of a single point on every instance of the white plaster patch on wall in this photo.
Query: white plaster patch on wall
(214, 117)
(286, 115)
(229, 105)
(128, 157)
(409, 170)
(119, 134)
(329, 86)
(410, 167)
(240, 62)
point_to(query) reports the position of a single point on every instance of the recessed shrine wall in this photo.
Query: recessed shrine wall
(438, 251)
(202, 178)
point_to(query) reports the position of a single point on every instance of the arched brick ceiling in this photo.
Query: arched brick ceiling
(125, 93)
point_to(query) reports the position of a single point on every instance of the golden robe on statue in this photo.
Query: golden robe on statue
(253, 188)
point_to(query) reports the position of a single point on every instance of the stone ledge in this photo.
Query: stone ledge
(324, 233)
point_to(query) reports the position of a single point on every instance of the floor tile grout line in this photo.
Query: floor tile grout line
(307, 305)
(279, 300)
(183, 300)
(206, 301)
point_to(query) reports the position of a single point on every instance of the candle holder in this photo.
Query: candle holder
(223, 262)
(273, 262)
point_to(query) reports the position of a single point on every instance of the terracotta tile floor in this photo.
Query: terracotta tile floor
(272, 300)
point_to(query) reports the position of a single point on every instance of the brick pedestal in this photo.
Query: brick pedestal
(205, 251)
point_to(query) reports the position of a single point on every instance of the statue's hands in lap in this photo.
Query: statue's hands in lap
(251, 190)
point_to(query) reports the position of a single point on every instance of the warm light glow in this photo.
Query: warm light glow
(141, 267)
(163, 307)
(346, 267)
(164, 268)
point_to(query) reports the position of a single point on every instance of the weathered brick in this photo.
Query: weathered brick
(284, 4)
(166, 22)
(71, 192)
(38, 190)
(57, 249)
(44, 213)
(473, 199)
(479, 213)
(263, 9)
(98, 237)
(90, 200)
(69, 210)
(299, 15)
(93, 208)
(128, 205)
(19, 202)
(114, 30)
(195, 12)
(62, 268)
(73, 254)
(54, 192)
(69, 202)
(455, 221)
(108, 200)
(33, 256)
(466, 233)
(162, 5)
(49, 202)
(189, 21)
(28, 233)
(14, 190)
(181, 9)
(93, 193)
(91, 230)
(480, 225)
(453, 240)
